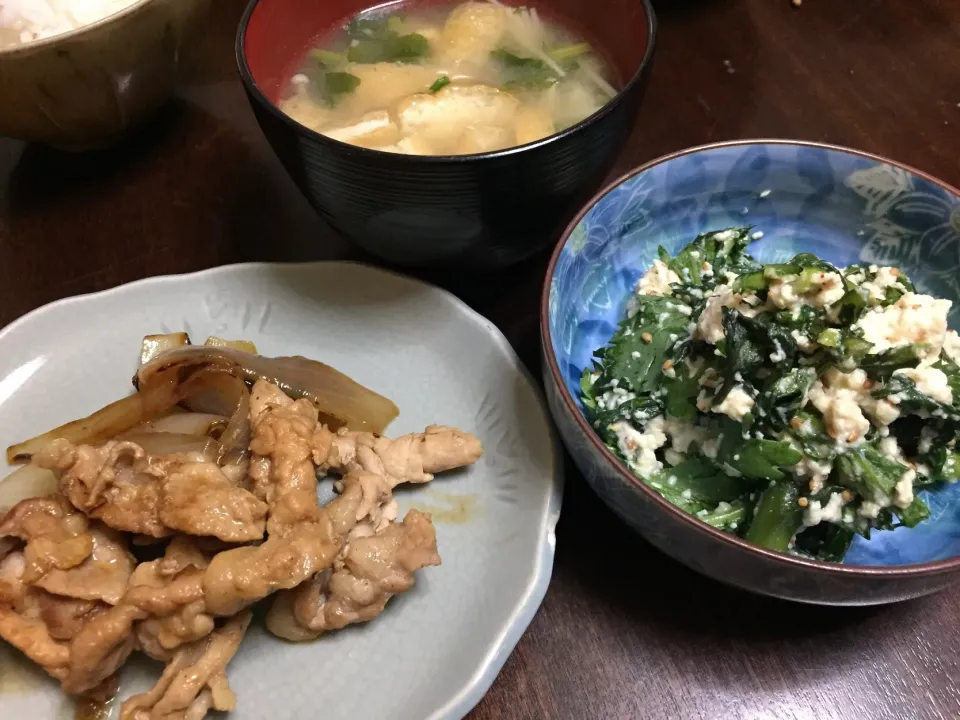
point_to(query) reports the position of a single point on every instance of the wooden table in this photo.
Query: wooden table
(624, 631)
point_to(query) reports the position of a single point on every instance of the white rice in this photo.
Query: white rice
(23, 21)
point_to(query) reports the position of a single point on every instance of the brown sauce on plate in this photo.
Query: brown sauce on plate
(454, 510)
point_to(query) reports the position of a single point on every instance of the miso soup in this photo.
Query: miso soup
(463, 78)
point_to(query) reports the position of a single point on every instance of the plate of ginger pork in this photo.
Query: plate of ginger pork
(268, 490)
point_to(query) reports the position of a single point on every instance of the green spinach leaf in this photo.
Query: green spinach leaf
(636, 354)
(522, 73)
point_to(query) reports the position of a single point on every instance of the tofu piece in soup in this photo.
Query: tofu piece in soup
(485, 138)
(572, 102)
(441, 118)
(413, 145)
(373, 129)
(533, 123)
(383, 84)
(472, 31)
(305, 111)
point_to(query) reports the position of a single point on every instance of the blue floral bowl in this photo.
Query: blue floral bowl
(843, 205)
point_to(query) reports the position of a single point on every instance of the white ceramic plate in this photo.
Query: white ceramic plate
(436, 650)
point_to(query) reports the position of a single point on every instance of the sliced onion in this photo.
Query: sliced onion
(166, 443)
(106, 423)
(155, 399)
(185, 423)
(241, 345)
(340, 400)
(153, 345)
(215, 393)
(211, 379)
(235, 439)
(26, 482)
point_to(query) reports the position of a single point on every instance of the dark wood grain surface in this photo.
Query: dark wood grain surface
(624, 632)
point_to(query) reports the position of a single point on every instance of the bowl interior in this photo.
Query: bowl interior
(278, 32)
(841, 205)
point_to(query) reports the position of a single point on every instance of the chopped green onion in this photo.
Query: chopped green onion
(337, 84)
(569, 52)
(328, 59)
(390, 48)
(439, 84)
(829, 337)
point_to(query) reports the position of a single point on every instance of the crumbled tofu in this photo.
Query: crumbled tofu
(639, 448)
(831, 512)
(882, 411)
(778, 356)
(889, 447)
(903, 491)
(870, 508)
(657, 280)
(836, 395)
(703, 401)
(827, 289)
(804, 343)
(842, 396)
(711, 447)
(816, 471)
(912, 320)
(876, 289)
(736, 404)
(614, 398)
(684, 434)
(783, 295)
(951, 345)
(672, 456)
(931, 382)
(710, 324)
(710, 378)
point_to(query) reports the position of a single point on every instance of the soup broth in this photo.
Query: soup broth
(459, 79)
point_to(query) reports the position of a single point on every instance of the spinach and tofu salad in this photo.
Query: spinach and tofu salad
(793, 404)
